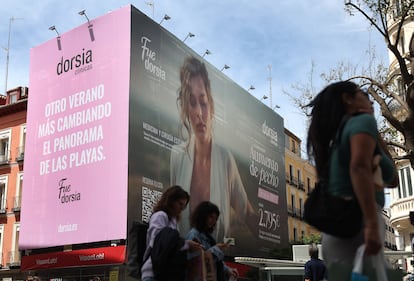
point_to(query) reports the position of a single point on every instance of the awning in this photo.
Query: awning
(84, 257)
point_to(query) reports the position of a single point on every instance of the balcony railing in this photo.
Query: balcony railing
(20, 153)
(17, 201)
(13, 259)
(295, 212)
(400, 210)
(3, 206)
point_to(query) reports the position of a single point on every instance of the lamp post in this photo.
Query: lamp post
(188, 35)
(225, 67)
(251, 88)
(207, 52)
(53, 28)
(151, 4)
(83, 13)
(166, 17)
(91, 35)
(263, 98)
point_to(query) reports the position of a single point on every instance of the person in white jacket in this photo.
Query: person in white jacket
(205, 169)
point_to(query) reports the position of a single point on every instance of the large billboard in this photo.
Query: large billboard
(76, 157)
(244, 175)
(105, 138)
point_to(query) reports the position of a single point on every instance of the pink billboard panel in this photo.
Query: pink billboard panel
(76, 160)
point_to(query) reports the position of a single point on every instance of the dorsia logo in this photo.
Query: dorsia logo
(270, 132)
(66, 195)
(148, 56)
(80, 62)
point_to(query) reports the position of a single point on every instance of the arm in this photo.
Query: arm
(362, 148)
(308, 272)
(383, 146)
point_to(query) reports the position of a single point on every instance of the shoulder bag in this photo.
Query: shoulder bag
(334, 215)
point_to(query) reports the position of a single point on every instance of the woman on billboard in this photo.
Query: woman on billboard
(202, 167)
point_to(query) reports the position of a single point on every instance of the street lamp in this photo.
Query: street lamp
(263, 98)
(251, 88)
(82, 13)
(166, 17)
(189, 35)
(225, 67)
(151, 4)
(53, 28)
(207, 52)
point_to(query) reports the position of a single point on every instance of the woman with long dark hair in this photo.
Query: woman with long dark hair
(349, 164)
(203, 222)
(166, 214)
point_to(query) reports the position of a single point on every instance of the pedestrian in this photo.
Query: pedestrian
(315, 269)
(203, 221)
(166, 214)
(349, 166)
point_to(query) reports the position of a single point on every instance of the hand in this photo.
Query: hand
(233, 273)
(194, 246)
(222, 246)
(372, 240)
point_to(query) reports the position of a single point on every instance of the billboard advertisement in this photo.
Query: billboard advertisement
(76, 157)
(111, 125)
(227, 148)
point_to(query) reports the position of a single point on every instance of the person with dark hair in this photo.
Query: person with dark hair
(166, 214)
(315, 269)
(201, 166)
(203, 222)
(348, 166)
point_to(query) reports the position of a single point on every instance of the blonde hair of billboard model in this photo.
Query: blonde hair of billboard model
(202, 167)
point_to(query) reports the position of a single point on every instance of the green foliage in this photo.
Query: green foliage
(312, 238)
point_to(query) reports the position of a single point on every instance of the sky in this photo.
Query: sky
(268, 44)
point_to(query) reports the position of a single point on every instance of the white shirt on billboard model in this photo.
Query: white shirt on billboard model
(226, 187)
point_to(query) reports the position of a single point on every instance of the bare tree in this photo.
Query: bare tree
(392, 90)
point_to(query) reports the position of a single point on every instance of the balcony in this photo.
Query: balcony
(295, 212)
(20, 153)
(13, 259)
(400, 210)
(17, 201)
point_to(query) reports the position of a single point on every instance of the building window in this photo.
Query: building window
(20, 152)
(290, 172)
(4, 145)
(14, 254)
(293, 146)
(295, 234)
(409, 185)
(3, 192)
(308, 184)
(18, 198)
(13, 98)
(1, 242)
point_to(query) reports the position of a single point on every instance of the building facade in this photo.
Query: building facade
(300, 180)
(402, 197)
(13, 108)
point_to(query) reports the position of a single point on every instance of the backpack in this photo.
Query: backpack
(137, 244)
(168, 261)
